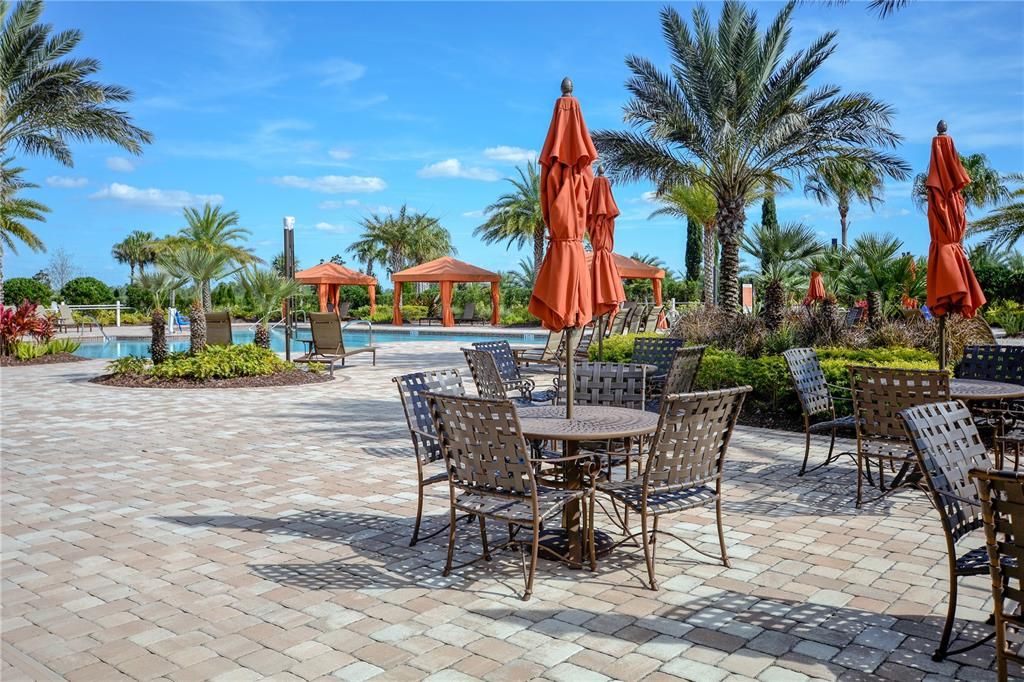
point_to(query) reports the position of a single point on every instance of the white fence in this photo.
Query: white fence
(116, 307)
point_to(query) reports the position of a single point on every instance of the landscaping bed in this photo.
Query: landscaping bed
(9, 361)
(292, 377)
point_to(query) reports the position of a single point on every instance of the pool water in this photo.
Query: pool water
(119, 348)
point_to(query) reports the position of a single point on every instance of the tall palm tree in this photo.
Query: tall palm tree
(987, 187)
(402, 240)
(15, 211)
(842, 181)
(136, 250)
(215, 231)
(1005, 224)
(201, 266)
(743, 110)
(266, 290)
(782, 253)
(50, 100)
(516, 216)
(525, 276)
(648, 259)
(695, 202)
(369, 254)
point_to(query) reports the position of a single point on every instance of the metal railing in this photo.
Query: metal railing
(116, 307)
(366, 322)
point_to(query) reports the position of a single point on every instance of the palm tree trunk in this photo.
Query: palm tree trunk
(844, 226)
(730, 219)
(131, 273)
(709, 264)
(197, 327)
(158, 342)
(207, 297)
(1, 274)
(262, 338)
(538, 247)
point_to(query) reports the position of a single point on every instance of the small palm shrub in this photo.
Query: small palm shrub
(214, 362)
(158, 333)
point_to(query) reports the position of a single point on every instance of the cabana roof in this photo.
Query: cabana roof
(631, 269)
(332, 273)
(445, 269)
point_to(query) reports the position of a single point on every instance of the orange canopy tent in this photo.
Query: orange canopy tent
(446, 271)
(633, 269)
(329, 277)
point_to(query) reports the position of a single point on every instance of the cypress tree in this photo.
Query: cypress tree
(694, 249)
(768, 216)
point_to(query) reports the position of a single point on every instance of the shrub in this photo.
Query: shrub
(17, 323)
(128, 365)
(618, 348)
(716, 327)
(86, 291)
(384, 315)
(23, 350)
(24, 289)
(108, 318)
(517, 315)
(136, 297)
(58, 346)
(221, 362)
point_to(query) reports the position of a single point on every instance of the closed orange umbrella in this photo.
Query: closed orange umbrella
(605, 281)
(561, 294)
(816, 290)
(952, 286)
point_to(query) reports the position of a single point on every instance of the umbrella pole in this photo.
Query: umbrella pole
(942, 342)
(600, 338)
(570, 371)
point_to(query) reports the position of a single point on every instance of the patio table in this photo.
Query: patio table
(979, 389)
(589, 423)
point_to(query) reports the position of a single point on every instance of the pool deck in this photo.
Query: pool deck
(243, 534)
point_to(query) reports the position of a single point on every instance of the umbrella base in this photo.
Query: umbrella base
(555, 546)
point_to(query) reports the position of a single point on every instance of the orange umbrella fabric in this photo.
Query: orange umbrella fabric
(605, 281)
(562, 293)
(816, 290)
(952, 286)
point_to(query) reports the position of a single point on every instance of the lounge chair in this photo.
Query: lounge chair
(637, 319)
(433, 313)
(67, 319)
(343, 311)
(544, 356)
(469, 315)
(329, 343)
(653, 318)
(181, 320)
(218, 328)
(618, 325)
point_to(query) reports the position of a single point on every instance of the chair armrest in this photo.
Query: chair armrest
(964, 500)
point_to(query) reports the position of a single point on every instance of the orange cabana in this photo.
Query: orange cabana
(329, 277)
(634, 269)
(446, 271)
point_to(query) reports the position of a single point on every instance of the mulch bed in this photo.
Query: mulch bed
(7, 361)
(765, 419)
(295, 377)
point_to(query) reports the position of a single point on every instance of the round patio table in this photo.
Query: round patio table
(979, 389)
(588, 423)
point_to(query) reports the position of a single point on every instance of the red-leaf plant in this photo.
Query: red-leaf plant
(16, 323)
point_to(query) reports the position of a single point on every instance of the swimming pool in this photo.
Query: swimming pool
(119, 348)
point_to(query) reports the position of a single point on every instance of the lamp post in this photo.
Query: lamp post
(289, 273)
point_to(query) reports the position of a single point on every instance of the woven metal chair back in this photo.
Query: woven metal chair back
(483, 445)
(881, 393)
(993, 363)
(853, 316)
(694, 429)
(486, 375)
(218, 328)
(610, 384)
(808, 380)
(682, 375)
(948, 446)
(659, 351)
(501, 351)
(413, 389)
(326, 330)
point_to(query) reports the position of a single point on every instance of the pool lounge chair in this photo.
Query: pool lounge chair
(218, 328)
(181, 320)
(67, 319)
(329, 343)
(343, 310)
(546, 355)
(469, 315)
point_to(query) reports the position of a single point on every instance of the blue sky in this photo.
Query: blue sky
(326, 111)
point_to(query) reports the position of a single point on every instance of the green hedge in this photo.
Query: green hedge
(214, 362)
(384, 313)
(18, 289)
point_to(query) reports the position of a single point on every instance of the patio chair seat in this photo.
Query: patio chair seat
(841, 423)
(518, 509)
(976, 562)
(631, 493)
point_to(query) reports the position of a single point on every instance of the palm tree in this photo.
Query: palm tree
(987, 187)
(14, 212)
(1005, 224)
(648, 259)
(739, 108)
(193, 262)
(782, 253)
(695, 202)
(516, 217)
(369, 254)
(50, 100)
(266, 290)
(525, 276)
(136, 250)
(402, 240)
(158, 283)
(215, 231)
(841, 181)
(879, 271)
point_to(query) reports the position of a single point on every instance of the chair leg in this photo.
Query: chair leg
(831, 446)
(721, 531)
(535, 550)
(451, 542)
(947, 630)
(648, 556)
(860, 476)
(590, 534)
(419, 517)
(807, 446)
(483, 538)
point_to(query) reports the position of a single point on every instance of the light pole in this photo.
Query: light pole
(289, 273)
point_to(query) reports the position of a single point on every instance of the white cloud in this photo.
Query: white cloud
(510, 154)
(649, 197)
(473, 214)
(333, 184)
(65, 182)
(120, 164)
(330, 227)
(339, 154)
(333, 204)
(453, 168)
(340, 72)
(155, 198)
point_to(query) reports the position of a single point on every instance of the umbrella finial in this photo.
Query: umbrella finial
(566, 86)
(941, 127)
(600, 170)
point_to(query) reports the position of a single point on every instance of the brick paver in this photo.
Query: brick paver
(238, 534)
